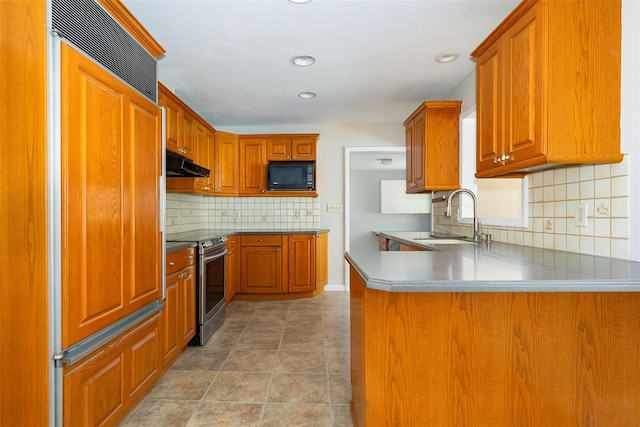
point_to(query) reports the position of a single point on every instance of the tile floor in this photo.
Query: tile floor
(272, 363)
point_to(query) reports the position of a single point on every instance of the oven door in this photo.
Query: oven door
(211, 284)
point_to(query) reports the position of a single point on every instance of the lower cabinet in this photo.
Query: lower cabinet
(261, 264)
(178, 317)
(232, 269)
(283, 266)
(104, 387)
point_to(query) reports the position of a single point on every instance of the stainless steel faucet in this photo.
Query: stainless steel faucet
(477, 227)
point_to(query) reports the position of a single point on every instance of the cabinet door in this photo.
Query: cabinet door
(101, 389)
(187, 305)
(226, 180)
(524, 95)
(303, 148)
(203, 156)
(169, 320)
(322, 260)
(490, 135)
(253, 161)
(302, 262)
(111, 163)
(418, 151)
(261, 268)
(278, 148)
(232, 266)
(187, 137)
(172, 123)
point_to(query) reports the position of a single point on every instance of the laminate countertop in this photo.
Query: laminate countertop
(497, 267)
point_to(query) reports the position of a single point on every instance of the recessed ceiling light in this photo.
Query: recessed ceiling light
(445, 57)
(306, 95)
(304, 60)
(299, 1)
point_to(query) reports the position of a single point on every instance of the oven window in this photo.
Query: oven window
(214, 285)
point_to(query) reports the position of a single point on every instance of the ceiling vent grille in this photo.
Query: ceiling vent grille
(90, 28)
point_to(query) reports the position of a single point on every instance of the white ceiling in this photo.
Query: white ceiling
(231, 60)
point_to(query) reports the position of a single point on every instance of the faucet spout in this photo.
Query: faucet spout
(477, 234)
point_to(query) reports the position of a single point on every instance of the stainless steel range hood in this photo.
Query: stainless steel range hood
(181, 167)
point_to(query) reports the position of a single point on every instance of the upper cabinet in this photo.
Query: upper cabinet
(548, 87)
(432, 139)
(291, 147)
(179, 123)
(226, 164)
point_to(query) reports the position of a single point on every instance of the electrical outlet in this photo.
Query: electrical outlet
(334, 207)
(580, 218)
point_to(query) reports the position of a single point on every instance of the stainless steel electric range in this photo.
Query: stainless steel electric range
(210, 275)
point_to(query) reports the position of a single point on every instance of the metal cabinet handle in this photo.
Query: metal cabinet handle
(190, 256)
(505, 157)
(495, 160)
(171, 263)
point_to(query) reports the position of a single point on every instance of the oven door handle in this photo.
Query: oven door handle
(215, 255)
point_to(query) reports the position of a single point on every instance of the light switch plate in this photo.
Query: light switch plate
(580, 218)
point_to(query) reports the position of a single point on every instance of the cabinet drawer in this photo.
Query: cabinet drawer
(231, 241)
(261, 240)
(179, 260)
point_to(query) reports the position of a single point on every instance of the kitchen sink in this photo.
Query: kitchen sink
(433, 241)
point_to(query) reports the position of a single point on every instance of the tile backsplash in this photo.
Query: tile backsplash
(187, 212)
(552, 199)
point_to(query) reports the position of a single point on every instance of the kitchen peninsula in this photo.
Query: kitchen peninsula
(476, 334)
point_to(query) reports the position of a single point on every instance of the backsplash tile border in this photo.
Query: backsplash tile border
(553, 194)
(186, 212)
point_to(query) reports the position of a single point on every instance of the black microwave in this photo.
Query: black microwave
(290, 176)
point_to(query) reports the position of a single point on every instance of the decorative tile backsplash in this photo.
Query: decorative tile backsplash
(187, 212)
(553, 196)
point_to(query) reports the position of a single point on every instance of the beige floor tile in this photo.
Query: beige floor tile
(222, 341)
(301, 362)
(306, 415)
(259, 326)
(233, 325)
(339, 362)
(340, 389)
(247, 387)
(341, 416)
(251, 341)
(182, 385)
(200, 359)
(305, 327)
(170, 413)
(250, 361)
(212, 413)
(298, 388)
(299, 342)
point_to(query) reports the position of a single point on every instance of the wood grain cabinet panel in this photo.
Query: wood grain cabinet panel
(226, 164)
(232, 269)
(111, 163)
(302, 263)
(497, 358)
(433, 147)
(105, 386)
(292, 147)
(322, 260)
(548, 87)
(178, 320)
(253, 164)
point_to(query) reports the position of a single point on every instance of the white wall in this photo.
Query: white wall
(330, 171)
(364, 209)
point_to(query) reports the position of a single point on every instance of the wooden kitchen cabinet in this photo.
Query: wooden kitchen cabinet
(110, 198)
(232, 269)
(292, 147)
(282, 266)
(262, 264)
(322, 261)
(253, 164)
(226, 164)
(548, 87)
(302, 263)
(178, 123)
(178, 320)
(107, 384)
(433, 147)
(199, 135)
